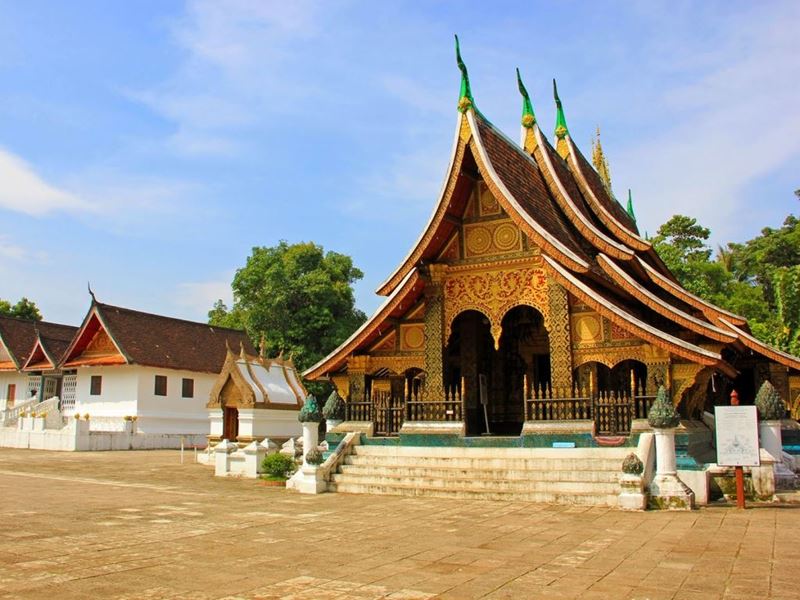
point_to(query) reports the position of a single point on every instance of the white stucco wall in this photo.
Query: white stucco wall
(15, 378)
(129, 390)
(173, 413)
(119, 392)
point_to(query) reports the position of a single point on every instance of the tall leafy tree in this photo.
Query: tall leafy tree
(759, 279)
(23, 309)
(297, 297)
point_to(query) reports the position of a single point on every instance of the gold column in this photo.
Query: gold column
(434, 338)
(356, 371)
(558, 331)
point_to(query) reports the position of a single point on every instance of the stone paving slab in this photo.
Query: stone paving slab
(139, 525)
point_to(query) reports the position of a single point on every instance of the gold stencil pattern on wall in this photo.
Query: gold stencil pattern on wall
(488, 203)
(492, 237)
(412, 337)
(587, 328)
(495, 292)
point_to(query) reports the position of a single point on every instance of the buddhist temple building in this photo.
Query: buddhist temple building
(156, 369)
(30, 356)
(531, 297)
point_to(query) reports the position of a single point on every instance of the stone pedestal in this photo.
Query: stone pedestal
(632, 496)
(772, 442)
(667, 491)
(222, 452)
(763, 477)
(310, 439)
(254, 454)
(309, 479)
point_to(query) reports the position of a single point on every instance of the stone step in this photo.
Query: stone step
(573, 498)
(475, 484)
(449, 472)
(531, 464)
(618, 453)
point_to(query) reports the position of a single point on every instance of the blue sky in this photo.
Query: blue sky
(147, 146)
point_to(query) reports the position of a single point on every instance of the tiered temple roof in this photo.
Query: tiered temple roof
(589, 242)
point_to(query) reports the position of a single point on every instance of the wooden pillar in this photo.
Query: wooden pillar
(558, 331)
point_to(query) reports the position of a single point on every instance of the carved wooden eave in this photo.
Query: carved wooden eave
(637, 327)
(410, 285)
(92, 325)
(8, 365)
(709, 310)
(40, 359)
(623, 233)
(756, 345)
(649, 299)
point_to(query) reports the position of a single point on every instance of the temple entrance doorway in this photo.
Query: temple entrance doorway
(230, 423)
(493, 379)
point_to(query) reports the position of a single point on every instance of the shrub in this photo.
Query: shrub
(278, 465)
(86, 417)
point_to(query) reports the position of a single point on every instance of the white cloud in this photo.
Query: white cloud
(24, 191)
(236, 71)
(733, 124)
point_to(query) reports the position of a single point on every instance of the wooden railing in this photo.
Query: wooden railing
(612, 412)
(451, 408)
(358, 411)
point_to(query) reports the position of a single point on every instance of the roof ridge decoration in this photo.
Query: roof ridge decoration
(528, 117)
(465, 99)
(629, 208)
(600, 162)
(561, 130)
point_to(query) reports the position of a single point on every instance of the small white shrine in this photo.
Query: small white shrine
(255, 398)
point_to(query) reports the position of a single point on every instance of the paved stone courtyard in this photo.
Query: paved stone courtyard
(141, 525)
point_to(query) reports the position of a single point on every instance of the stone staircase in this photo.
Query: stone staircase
(581, 476)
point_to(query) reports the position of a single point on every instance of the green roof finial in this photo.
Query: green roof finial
(629, 209)
(465, 99)
(528, 118)
(561, 122)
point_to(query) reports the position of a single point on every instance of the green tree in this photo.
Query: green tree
(298, 297)
(23, 309)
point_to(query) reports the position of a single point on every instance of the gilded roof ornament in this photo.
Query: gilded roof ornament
(600, 162)
(561, 122)
(528, 117)
(465, 99)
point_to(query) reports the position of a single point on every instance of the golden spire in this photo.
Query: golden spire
(600, 163)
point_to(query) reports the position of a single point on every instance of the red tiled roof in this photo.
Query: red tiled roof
(159, 341)
(20, 336)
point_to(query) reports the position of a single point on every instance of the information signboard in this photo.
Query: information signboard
(737, 436)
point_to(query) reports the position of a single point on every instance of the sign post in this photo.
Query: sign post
(737, 440)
